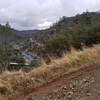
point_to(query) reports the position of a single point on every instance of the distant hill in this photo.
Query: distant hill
(82, 30)
(12, 35)
(8, 34)
(64, 25)
(26, 33)
(77, 31)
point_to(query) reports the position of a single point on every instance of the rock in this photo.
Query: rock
(65, 88)
(43, 97)
(72, 86)
(31, 98)
(70, 95)
(88, 94)
(98, 92)
(4, 87)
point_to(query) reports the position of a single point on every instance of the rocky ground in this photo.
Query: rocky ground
(83, 86)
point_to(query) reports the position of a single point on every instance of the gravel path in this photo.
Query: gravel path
(82, 85)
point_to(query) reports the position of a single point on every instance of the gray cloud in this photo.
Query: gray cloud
(33, 14)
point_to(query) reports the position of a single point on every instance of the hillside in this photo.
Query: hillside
(8, 34)
(12, 35)
(17, 84)
(67, 24)
(77, 31)
(49, 50)
(64, 25)
(82, 84)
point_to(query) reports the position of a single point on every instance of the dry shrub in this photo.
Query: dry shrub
(18, 83)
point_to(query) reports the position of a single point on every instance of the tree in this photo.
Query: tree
(5, 47)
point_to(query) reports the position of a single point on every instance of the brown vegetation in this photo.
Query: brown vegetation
(19, 83)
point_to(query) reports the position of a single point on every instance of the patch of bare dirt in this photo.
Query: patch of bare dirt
(81, 85)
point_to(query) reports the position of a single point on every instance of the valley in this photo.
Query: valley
(61, 62)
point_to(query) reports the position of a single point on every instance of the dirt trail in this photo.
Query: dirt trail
(81, 85)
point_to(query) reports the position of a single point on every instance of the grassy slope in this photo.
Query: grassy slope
(18, 83)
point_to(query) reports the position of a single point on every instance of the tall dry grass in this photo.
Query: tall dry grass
(18, 83)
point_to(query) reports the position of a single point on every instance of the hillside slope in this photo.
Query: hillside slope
(8, 34)
(68, 24)
(17, 84)
(77, 31)
(83, 84)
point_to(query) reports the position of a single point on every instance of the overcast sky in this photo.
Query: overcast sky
(39, 14)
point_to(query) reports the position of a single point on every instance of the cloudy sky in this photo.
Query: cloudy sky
(39, 14)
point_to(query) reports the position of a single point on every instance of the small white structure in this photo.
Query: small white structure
(13, 63)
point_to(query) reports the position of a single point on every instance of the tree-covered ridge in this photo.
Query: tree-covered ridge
(78, 31)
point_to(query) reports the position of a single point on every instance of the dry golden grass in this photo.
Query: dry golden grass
(18, 83)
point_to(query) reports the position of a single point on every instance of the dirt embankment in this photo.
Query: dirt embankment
(81, 85)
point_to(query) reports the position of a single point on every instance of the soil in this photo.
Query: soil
(83, 84)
